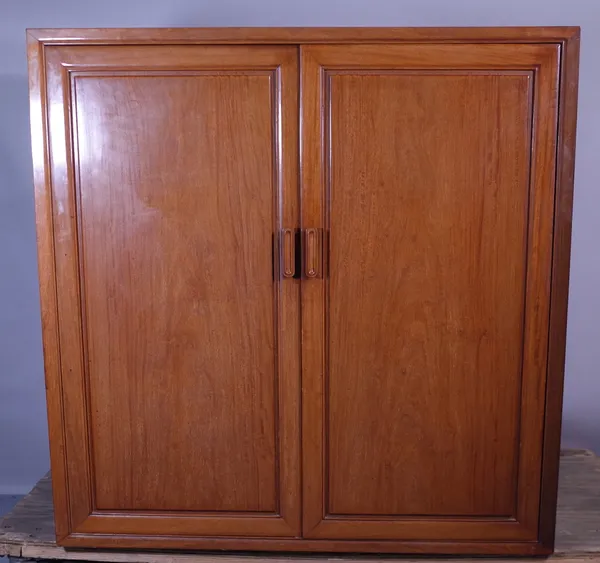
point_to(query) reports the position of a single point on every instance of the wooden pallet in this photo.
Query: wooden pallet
(28, 531)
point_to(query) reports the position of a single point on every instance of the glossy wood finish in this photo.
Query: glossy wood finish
(289, 252)
(305, 35)
(429, 358)
(312, 255)
(429, 333)
(139, 542)
(47, 280)
(178, 297)
(561, 253)
(179, 350)
(28, 531)
(101, 396)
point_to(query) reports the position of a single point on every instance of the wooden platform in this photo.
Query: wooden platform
(28, 531)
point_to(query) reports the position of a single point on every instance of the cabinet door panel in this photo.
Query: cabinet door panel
(179, 290)
(426, 312)
(173, 170)
(430, 171)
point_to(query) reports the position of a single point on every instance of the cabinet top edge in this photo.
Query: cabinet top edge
(296, 35)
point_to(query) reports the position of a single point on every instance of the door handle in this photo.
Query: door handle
(312, 253)
(291, 266)
(288, 245)
(300, 253)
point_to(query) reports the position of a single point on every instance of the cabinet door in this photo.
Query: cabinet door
(428, 171)
(173, 346)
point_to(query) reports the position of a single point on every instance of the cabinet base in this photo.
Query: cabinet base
(304, 545)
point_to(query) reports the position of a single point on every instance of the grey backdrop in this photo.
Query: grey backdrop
(23, 449)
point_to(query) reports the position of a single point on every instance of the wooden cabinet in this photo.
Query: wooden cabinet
(304, 289)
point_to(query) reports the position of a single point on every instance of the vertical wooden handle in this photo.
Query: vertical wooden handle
(312, 255)
(289, 253)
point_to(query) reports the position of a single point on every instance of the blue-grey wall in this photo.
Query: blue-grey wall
(23, 450)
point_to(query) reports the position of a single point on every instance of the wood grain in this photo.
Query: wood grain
(539, 279)
(28, 531)
(436, 177)
(112, 541)
(179, 295)
(70, 377)
(313, 251)
(304, 35)
(312, 152)
(425, 314)
(181, 351)
(492, 57)
(47, 279)
(288, 252)
(428, 335)
(563, 209)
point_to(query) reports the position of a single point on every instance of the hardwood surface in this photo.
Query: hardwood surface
(178, 297)
(168, 208)
(560, 285)
(304, 35)
(427, 334)
(428, 358)
(179, 349)
(47, 277)
(28, 531)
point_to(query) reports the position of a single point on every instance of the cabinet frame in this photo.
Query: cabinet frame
(567, 40)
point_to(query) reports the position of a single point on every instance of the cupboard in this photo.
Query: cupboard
(304, 289)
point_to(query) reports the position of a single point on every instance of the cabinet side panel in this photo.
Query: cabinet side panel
(563, 211)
